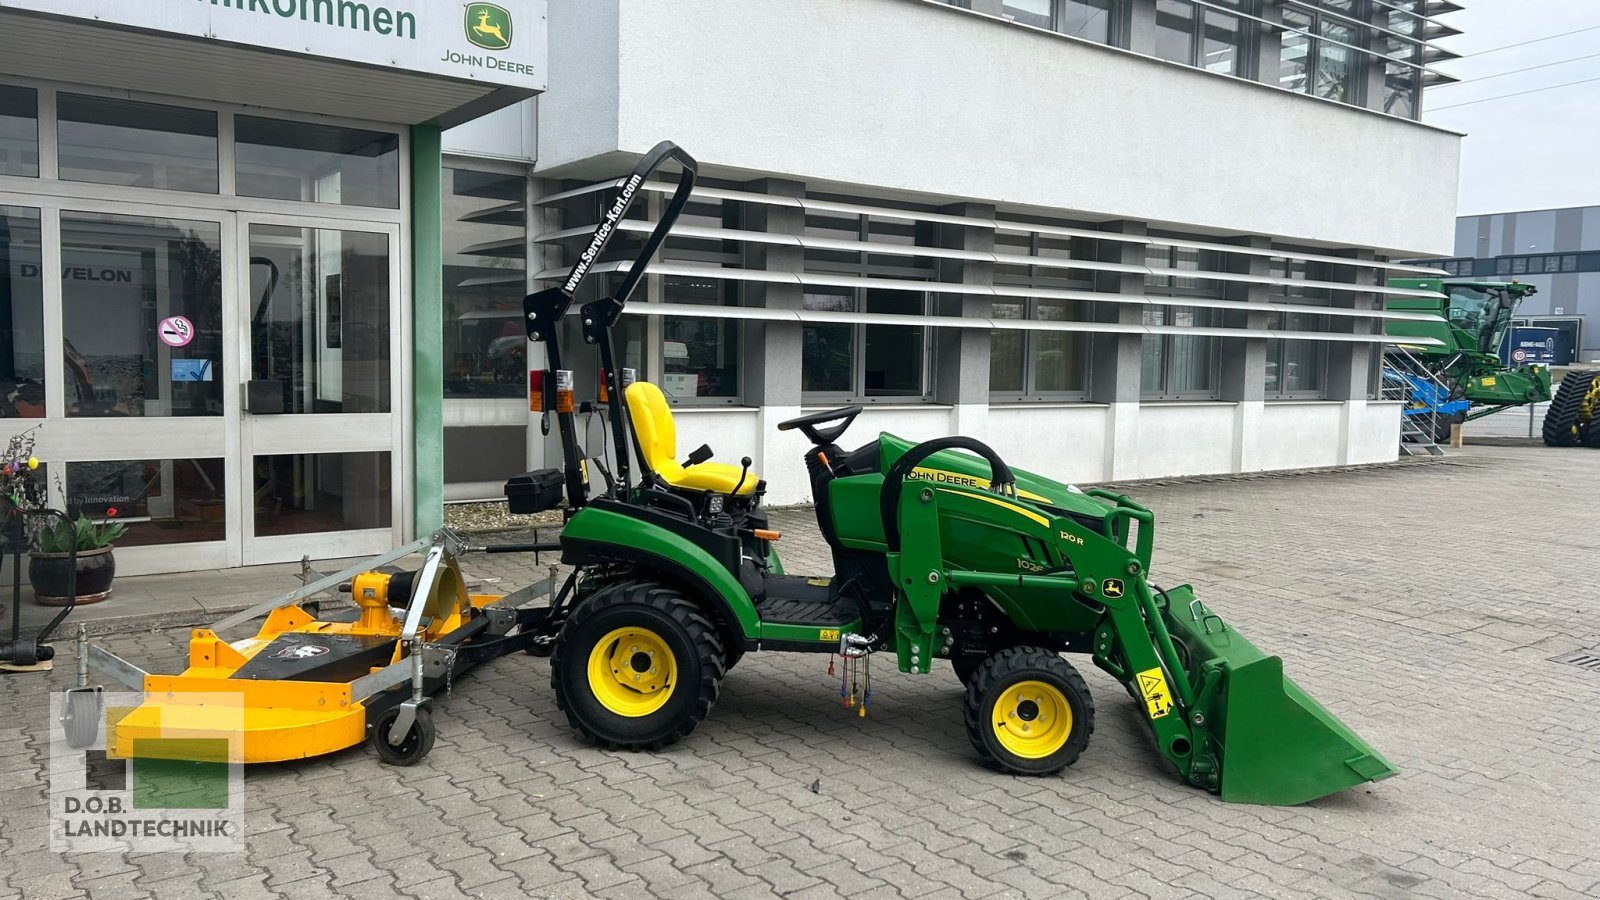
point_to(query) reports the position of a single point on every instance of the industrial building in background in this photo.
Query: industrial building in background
(1115, 238)
(1555, 250)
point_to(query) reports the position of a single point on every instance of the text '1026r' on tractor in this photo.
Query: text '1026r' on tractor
(940, 551)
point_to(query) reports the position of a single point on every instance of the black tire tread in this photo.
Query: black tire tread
(702, 634)
(1005, 664)
(1562, 416)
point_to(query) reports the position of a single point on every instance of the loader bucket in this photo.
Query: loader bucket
(1273, 744)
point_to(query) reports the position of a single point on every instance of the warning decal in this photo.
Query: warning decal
(1153, 688)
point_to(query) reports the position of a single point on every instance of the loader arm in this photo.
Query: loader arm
(1219, 709)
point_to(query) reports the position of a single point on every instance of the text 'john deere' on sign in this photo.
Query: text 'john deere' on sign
(338, 13)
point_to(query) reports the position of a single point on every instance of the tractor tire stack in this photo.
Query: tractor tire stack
(1574, 415)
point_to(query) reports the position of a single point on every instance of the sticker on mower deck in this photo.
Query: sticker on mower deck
(301, 651)
(1153, 688)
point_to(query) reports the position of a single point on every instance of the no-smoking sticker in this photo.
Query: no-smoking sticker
(176, 331)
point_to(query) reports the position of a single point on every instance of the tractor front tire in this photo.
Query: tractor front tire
(1028, 712)
(637, 666)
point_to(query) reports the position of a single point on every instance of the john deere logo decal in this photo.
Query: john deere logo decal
(1113, 587)
(488, 26)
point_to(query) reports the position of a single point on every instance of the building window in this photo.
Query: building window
(1318, 57)
(317, 492)
(1400, 90)
(321, 331)
(161, 501)
(1298, 368)
(1091, 19)
(869, 362)
(1202, 37)
(21, 315)
(1038, 364)
(700, 356)
(121, 278)
(125, 142)
(284, 160)
(1177, 366)
(19, 131)
(485, 278)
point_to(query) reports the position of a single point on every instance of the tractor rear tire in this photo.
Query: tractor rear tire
(1561, 421)
(1028, 712)
(637, 666)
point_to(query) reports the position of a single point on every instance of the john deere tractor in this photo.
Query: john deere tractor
(941, 551)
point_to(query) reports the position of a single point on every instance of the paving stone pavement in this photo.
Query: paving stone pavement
(1420, 603)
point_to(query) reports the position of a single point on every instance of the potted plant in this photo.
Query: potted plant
(49, 565)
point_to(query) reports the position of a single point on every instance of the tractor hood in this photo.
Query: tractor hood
(957, 467)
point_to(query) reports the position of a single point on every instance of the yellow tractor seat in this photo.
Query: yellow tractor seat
(658, 444)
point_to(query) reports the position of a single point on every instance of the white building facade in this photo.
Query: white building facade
(1115, 239)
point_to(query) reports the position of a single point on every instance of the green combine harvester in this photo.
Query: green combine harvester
(1463, 377)
(941, 551)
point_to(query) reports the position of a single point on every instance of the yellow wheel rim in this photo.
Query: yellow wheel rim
(632, 672)
(1032, 719)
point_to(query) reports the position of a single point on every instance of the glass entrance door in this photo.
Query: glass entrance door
(320, 431)
(133, 379)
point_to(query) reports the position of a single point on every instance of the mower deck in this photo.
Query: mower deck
(307, 686)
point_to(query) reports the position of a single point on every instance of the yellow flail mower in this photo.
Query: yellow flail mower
(307, 683)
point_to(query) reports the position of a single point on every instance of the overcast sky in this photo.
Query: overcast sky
(1535, 151)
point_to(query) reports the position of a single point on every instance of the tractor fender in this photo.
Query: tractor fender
(602, 533)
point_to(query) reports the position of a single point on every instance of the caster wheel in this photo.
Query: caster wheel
(82, 717)
(418, 741)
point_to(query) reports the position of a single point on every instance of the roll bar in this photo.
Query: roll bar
(545, 310)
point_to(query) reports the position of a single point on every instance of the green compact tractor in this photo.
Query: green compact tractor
(941, 551)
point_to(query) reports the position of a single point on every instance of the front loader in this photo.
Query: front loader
(941, 551)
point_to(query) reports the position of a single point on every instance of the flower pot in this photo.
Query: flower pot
(48, 572)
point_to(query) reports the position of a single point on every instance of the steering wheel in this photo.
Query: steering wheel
(823, 436)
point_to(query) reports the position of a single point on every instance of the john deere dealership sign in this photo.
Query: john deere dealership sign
(500, 43)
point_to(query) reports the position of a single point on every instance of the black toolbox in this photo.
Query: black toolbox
(534, 492)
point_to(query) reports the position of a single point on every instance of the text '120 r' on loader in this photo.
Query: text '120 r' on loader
(940, 551)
